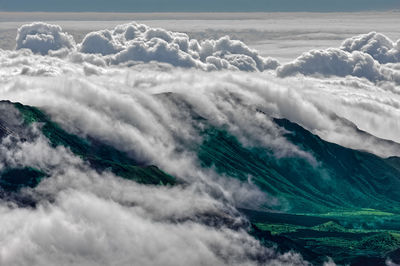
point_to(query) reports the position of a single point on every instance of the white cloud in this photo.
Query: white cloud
(137, 42)
(380, 47)
(101, 42)
(80, 228)
(333, 62)
(360, 56)
(41, 38)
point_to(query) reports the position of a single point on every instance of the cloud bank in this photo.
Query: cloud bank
(138, 42)
(365, 56)
(333, 62)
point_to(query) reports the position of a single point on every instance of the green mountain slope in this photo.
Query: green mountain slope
(342, 179)
(347, 206)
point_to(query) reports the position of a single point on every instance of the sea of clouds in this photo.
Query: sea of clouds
(136, 88)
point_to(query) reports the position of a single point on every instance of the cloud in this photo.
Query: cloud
(101, 42)
(363, 56)
(140, 43)
(333, 62)
(83, 229)
(380, 47)
(42, 37)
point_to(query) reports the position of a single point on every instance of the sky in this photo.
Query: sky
(197, 6)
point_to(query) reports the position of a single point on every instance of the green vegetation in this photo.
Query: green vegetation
(346, 206)
(343, 179)
(344, 244)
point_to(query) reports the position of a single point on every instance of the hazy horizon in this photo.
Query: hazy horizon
(199, 6)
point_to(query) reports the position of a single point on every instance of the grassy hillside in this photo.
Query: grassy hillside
(347, 206)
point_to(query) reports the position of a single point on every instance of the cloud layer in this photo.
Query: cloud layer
(138, 42)
(333, 62)
(366, 56)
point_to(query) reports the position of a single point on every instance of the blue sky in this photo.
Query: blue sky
(197, 5)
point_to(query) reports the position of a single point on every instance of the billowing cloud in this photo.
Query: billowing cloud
(380, 47)
(140, 43)
(137, 42)
(363, 56)
(333, 62)
(42, 38)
